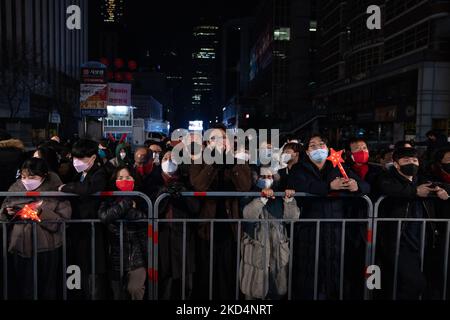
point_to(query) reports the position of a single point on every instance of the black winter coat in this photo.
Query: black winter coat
(306, 177)
(171, 234)
(402, 202)
(134, 234)
(86, 207)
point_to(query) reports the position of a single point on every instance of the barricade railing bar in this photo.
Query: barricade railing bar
(64, 224)
(153, 221)
(401, 222)
(291, 222)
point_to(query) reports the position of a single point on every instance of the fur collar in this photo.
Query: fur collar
(12, 143)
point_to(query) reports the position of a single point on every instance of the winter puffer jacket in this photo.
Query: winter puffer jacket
(49, 235)
(134, 234)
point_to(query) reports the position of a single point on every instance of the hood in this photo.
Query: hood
(127, 157)
(12, 143)
(119, 147)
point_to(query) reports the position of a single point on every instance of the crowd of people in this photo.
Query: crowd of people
(416, 186)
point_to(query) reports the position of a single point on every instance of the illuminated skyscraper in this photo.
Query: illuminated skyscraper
(112, 11)
(204, 58)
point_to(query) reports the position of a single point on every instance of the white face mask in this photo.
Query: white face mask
(285, 158)
(264, 183)
(123, 155)
(32, 184)
(81, 166)
(169, 166)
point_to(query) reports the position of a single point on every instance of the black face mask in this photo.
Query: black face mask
(446, 167)
(410, 170)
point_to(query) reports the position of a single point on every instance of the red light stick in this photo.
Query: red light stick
(336, 159)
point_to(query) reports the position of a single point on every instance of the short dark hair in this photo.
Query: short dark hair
(404, 153)
(355, 140)
(84, 148)
(296, 147)
(316, 135)
(36, 167)
(432, 133)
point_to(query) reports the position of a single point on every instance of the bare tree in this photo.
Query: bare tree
(20, 77)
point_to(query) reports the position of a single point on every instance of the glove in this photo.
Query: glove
(175, 190)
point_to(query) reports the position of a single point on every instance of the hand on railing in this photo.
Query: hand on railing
(268, 193)
(289, 194)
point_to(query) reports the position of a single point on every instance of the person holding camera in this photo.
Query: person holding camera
(408, 197)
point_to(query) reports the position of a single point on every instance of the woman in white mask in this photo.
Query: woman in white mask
(168, 179)
(315, 175)
(288, 159)
(123, 157)
(35, 177)
(168, 166)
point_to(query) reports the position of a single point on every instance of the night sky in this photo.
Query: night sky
(167, 24)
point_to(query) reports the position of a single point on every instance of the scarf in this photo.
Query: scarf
(361, 170)
(442, 174)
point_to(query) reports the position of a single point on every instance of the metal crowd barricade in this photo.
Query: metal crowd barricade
(398, 237)
(344, 222)
(92, 223)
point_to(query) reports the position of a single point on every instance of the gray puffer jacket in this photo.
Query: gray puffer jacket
(265, 248)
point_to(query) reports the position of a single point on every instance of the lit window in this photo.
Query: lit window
(282, 34)
(313, 26)
(204, 55)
